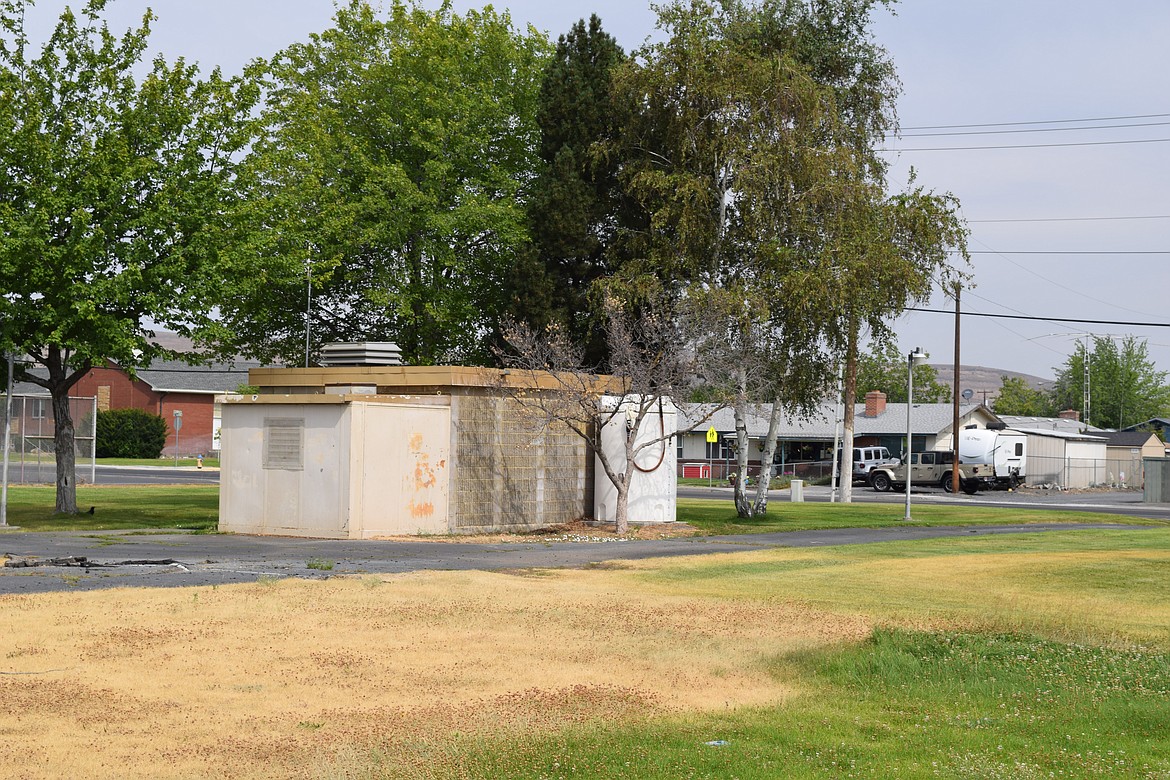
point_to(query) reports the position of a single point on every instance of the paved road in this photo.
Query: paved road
(213, 559)
(45, 473)
(1127, 502)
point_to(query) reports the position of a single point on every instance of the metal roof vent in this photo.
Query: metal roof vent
(365, 353)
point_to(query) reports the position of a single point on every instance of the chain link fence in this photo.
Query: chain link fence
(32, 454)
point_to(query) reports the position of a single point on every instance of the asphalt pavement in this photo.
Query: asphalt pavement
(95, 560)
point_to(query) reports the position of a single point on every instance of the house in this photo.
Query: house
(173, 390)
(1158, 425)
(1125, 452)
(805, 444)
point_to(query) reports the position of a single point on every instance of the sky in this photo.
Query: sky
(1073, 223)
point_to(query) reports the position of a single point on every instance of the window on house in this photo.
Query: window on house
(720, 450)
(284, 443)
(37, 408)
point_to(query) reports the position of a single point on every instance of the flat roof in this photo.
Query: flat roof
(408, 377)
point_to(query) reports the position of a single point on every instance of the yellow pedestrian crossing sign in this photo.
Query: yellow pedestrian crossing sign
(712, 436)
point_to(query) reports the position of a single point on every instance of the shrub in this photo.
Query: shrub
(130, 433)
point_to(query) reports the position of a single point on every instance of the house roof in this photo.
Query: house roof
(1048, 424)
(925, 419)
(175, 376)
(1154, 422)
(1056, 434)
(170, 376)
(1129, 438)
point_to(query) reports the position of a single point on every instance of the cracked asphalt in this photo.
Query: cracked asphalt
(220, 559)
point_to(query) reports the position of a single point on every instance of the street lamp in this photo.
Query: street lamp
(913, 359)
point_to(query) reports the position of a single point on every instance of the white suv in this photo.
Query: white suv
(865, 459)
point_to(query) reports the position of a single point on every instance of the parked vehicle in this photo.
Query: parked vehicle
(928, 469)
(865, 459)
(1004, 451)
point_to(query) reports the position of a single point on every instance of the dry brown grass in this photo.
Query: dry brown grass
(275, 678)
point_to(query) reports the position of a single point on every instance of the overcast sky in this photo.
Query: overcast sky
(1054, 225)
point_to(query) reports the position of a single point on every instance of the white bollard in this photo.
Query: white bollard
(798, 491)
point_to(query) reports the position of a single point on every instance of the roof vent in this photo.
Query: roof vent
(365, 353)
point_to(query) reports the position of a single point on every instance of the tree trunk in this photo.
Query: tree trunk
(622, 510)
(850, 400)
(64, 445)
(760, 506)
(743, 507)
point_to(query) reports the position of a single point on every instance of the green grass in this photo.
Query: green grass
(169, 507)
(149, 462)
(904, 704)
(717, 516)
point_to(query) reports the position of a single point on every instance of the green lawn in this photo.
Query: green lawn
(170, 507)
(717, 516)
(148, 462)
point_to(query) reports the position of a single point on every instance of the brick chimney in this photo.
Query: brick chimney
(1070, 414)
(875, 403)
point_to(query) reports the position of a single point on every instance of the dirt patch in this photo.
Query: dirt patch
(277, 678)
(583, 531)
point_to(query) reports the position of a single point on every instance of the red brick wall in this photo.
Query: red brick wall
(198, 408)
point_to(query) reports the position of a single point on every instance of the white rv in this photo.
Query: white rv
(1006, 451)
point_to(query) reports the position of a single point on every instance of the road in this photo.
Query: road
(1127, 502)
(128, 559)
(45, 473)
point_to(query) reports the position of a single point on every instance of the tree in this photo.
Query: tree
(1017, 397)
(648, 365)
(889, 252)
(576, 207)
(112, 197)
(386, 198)
(1125, 386)
(884, 369)
(754, 153)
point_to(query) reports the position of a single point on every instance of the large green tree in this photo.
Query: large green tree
(113, 189)
(754, 152)
(576, 208)
(1125, 387)
(1017, 397)
(391, 178)
(884, 369)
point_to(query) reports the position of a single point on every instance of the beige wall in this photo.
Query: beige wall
(365, 470)
(399, 470)
(378, 466)
(309, 501)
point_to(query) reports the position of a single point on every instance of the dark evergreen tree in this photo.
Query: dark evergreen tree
(575, 209)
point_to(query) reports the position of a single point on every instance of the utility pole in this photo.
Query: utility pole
(955, 412)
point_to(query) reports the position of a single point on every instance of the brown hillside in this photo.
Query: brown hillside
(985, 382)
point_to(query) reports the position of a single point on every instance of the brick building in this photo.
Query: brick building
(166, 387)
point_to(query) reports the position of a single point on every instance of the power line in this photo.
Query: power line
(1035, 130)
(1058, 284)
(1069, 219)
(1040, 122)
(1043, 319)
(1068, 252)
(1027, 146)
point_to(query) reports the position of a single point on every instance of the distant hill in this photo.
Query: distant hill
(985, 382)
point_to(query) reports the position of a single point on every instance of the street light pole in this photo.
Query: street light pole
(913, 359)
